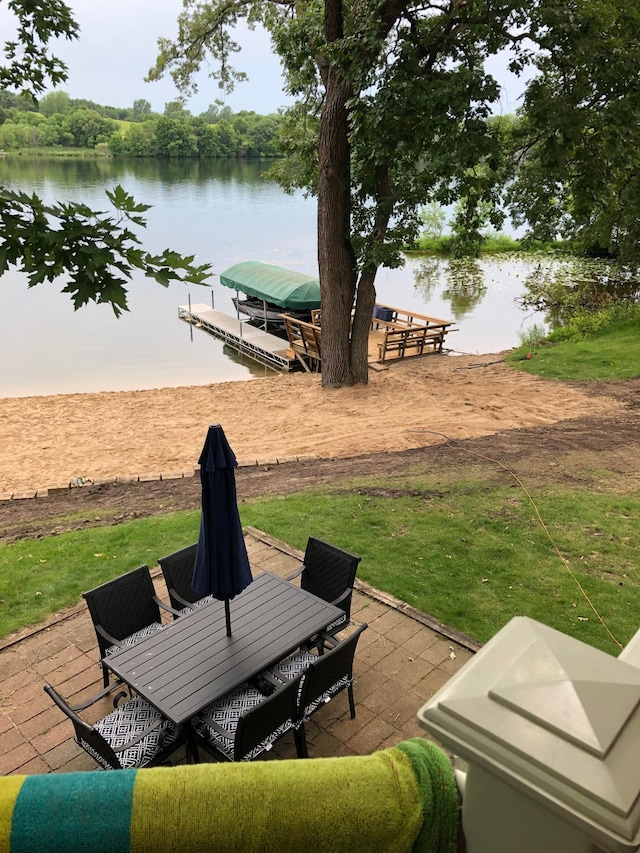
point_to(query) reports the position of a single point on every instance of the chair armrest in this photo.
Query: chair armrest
(181, 600)
(296, 574)
(112, 640)
(138, 737)
(98, 696)
(225, 733)
(273, 681)
(327, 639)
(345, 595)
(166, 607)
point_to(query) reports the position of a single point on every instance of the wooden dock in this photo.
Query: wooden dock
(241, 336)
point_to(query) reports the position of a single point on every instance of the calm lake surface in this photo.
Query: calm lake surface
(223, 212)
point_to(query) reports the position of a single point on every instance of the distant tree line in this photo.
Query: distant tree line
(58, 121)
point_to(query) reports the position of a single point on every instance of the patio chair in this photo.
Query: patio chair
(134, 735)
(245, 723)
(322, 676)
(124, 611)
(177, 569)
(329, 572)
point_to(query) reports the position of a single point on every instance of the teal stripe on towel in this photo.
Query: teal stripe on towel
(90, 812)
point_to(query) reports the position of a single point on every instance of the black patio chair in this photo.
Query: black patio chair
(245, 723)
(322, 676)
(329, 573)
(124, 610)
(134, 735)
(177, 569)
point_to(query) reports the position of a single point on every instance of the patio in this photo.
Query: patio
(402, 660)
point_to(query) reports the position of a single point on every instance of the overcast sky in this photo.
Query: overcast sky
(118, 45)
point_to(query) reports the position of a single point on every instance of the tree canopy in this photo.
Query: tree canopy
(97, 252)
(392, 113)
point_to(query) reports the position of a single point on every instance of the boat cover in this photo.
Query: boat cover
(286, 288)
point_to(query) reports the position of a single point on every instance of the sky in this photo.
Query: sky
(118, 46)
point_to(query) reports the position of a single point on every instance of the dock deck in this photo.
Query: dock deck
(243, 337)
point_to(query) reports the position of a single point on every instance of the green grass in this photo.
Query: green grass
(494, 244)
(60, 152)
(471, 553)
(474, 555)
(39, 577)
(612, 353)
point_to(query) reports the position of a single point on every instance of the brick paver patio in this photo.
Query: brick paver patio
(402, 660)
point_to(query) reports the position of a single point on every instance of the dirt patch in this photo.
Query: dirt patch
(582, 433)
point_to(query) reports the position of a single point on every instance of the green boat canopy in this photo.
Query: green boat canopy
(285, 288)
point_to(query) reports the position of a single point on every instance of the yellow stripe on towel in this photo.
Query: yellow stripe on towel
(354, 804)
(9, 790)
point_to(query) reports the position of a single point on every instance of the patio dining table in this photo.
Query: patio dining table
(192, 662)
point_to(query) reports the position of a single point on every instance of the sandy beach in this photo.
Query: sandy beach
(51, 441)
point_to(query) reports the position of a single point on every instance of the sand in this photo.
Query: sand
(50, 441)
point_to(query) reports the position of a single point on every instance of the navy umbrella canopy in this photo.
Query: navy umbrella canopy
(222, 564)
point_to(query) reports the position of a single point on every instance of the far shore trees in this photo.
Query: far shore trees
(97, 253)
(393, 102)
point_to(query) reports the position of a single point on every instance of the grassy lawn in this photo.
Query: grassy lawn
(41, 576)
(610, 354)
(472, 553)
(473, 556)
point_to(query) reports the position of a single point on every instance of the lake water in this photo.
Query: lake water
(223, 212)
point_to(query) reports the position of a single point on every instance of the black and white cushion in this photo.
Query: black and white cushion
(226, 712)
(126, 723)
(132, 639)
(199, 603)
(291, 667)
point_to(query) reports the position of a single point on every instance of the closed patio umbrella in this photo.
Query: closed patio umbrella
(222, 564)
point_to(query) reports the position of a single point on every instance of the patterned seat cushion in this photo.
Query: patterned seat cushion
(291, 667)
(226, 712)
(199, 603)
(206, 600)
(134, 638)
(126, 723)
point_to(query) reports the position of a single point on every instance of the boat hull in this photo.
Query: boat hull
(254, 308)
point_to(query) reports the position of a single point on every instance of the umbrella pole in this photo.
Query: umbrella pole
(227, 616)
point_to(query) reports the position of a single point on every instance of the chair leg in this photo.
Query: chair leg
(352, 704)
(193, 756)
(300, 737)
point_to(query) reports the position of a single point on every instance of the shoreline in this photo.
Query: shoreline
(50, 441)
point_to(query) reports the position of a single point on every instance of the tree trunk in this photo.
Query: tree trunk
(336, 260)
(361, 328)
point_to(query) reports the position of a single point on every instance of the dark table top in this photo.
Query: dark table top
(192, 662)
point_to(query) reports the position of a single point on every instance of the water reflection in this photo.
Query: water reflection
(464, 280)
(257, 370)
(106, 171)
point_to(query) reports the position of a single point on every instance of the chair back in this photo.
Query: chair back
(86, 736)
(177, 569)
(328, 675)
(265, 719)
(329, 572)
(123, 606)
